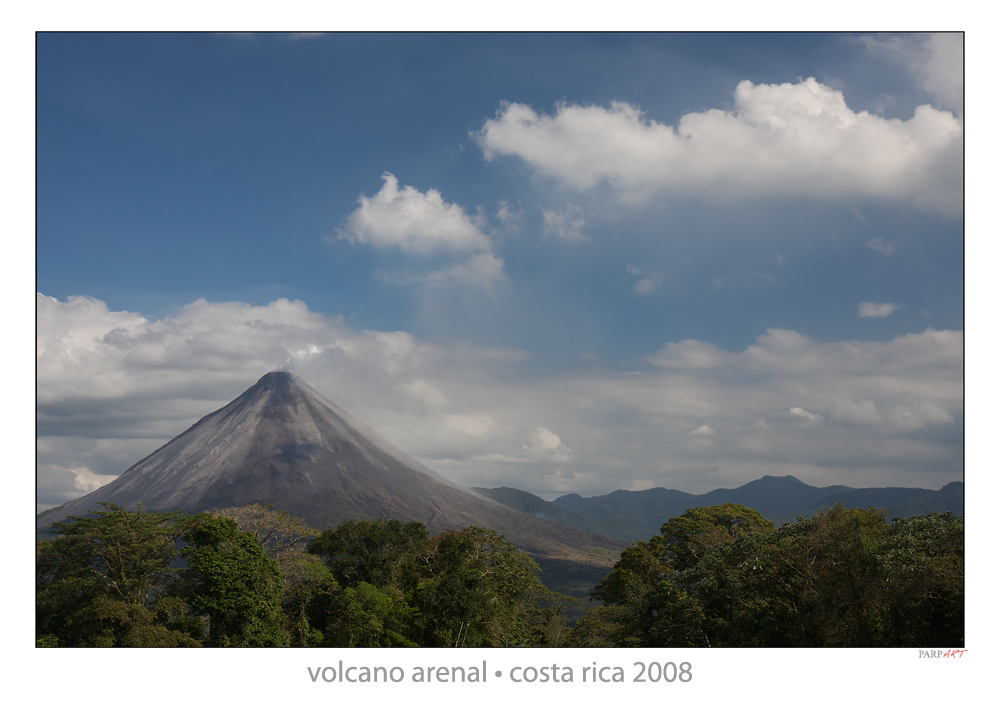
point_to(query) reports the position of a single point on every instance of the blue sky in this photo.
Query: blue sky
(559, 262)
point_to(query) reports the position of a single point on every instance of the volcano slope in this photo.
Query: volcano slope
(282, 443)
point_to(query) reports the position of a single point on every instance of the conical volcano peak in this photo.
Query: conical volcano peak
(276, 379)
(276, 383)
(283, 443)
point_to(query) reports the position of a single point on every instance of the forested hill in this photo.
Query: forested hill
(634, 516)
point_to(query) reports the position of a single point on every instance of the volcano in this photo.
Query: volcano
(283, 443)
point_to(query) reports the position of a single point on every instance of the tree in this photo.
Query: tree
(625, 617)
(399, 587)
(371, 617)
(307, 584)
(231, 580)
(846, 584)
(375, 567)
(308, 593)
(842, 578)
(384, 552)
(661, 592)
(686, 537)
(607, 626)
(924, 557)
(283, 535)
(101, 581)
(732, 595)
(477, 592)
(638, 569)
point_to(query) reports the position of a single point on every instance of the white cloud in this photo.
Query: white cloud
(863, 412)
(567, 225)
(414, 222)
(649, 281)
(780, 139)
(812, 418)
(474, 424)
(87, 481)
(423, 223)
(691, 354)
(481, 271)
(876, 310)
(944, 70)
(880, 244)
(540, 445)
(509, 218)
(543, 443)
(936, 60)
(919, 416)
(425, 395)
(703, 430)
(646, 285)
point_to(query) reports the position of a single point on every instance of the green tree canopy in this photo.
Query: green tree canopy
(101, 580)
(383, 552)
(477, 591)
(693, 532)
(283, 535)
(844, 577)
(231, 580)
(399, 587)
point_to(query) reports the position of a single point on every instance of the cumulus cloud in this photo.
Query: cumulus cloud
(876, 310)
(540, 445)
(566, 225)
(422, 223)
(113, 386)
(779, 139)
(543, 443)
(87, 481)
(414, 222)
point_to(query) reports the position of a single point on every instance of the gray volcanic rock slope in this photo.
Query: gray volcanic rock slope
(281, 442)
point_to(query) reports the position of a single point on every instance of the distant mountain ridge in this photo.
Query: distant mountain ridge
(634, 516)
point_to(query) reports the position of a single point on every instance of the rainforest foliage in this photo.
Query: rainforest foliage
(714, 576)
(250, 576)
(723, 576)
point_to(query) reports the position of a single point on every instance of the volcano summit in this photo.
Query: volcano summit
(283, 443)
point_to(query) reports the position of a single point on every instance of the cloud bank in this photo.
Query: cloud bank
(114, 386)
(791, 140)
